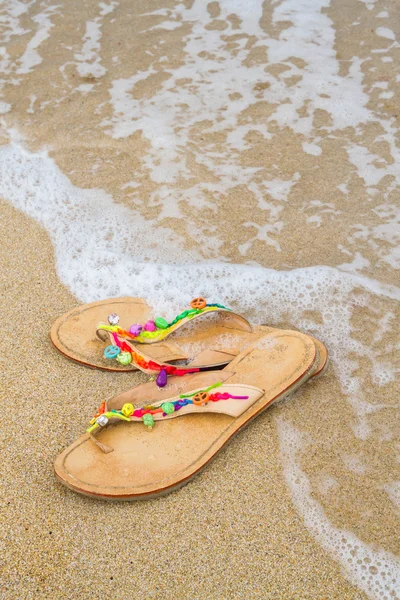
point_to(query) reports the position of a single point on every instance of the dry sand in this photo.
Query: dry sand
(234, 531)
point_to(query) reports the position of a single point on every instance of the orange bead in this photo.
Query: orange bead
(200, 399)
(198, 303)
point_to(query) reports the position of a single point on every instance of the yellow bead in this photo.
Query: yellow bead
(127, 410)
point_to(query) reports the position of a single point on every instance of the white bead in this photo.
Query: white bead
(113, 319)
(102, 420)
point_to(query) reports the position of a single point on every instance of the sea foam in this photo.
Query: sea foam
(375, 571)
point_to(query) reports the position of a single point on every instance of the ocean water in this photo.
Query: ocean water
(247, 152)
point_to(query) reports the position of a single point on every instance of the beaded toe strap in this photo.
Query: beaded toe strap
(158, 329)
(229, 399)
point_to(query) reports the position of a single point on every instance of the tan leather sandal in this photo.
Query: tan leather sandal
(190, 419)
(205, 336)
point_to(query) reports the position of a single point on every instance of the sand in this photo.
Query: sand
(238, 530)
(231, 533)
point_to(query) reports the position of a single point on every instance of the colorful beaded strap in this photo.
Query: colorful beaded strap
(126, 353)
(158, 329)
(154, 331)
(195, 400)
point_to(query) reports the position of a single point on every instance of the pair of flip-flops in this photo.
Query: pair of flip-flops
(193, 408)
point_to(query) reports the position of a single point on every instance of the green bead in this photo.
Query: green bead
(148, 420)
(182, 315)
(161, 323)
(168, 408)
(124, 358)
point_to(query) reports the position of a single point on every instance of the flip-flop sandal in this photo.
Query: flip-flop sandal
(191, 419)
(79, 334)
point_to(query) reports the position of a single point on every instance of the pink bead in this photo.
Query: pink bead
(138, 413)
(150, 326)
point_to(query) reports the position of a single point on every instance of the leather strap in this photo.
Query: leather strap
(103, 447)
(229, 399)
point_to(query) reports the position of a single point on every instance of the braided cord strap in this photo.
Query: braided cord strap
(146, 363)
(158, 329)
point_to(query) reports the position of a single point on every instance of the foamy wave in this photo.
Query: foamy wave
(106, 249)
